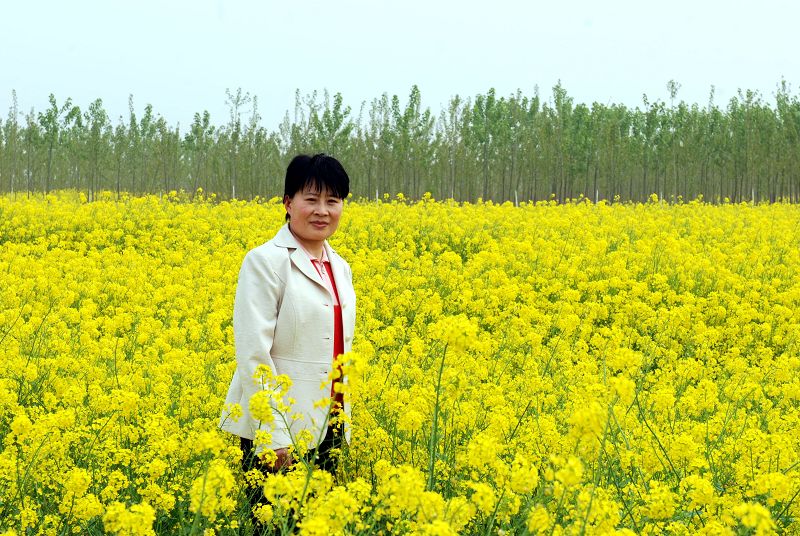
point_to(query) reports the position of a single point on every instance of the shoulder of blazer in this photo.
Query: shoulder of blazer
(271, 256)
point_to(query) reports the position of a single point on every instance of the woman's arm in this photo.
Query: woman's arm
(255, 313)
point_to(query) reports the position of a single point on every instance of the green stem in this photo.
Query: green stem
(435, 425)
(490, 523)
(200, 506)
(655, 436)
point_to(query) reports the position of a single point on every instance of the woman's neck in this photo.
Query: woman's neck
(314, 249)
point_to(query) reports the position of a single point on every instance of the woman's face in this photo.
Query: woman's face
(314, 216)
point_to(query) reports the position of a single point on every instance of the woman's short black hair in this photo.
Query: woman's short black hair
(316, 172)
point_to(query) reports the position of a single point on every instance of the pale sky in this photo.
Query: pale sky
(181, 55)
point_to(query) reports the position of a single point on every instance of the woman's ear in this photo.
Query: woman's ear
(287, 204)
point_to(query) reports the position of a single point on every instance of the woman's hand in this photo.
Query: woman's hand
(284, 460)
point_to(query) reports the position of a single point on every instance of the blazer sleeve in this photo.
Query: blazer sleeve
(255, 313)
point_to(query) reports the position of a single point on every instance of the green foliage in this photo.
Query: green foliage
(516, 147)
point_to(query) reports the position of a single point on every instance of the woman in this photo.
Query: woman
(294, 312)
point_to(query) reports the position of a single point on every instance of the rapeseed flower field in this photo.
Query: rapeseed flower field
(542, 369)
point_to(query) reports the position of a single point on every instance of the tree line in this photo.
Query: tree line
(515, 147)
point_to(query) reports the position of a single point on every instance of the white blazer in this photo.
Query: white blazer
(283, 317)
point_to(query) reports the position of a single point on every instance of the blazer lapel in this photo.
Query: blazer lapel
(299, 257)
(303, 263)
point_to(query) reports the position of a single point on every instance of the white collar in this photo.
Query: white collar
(310, 255)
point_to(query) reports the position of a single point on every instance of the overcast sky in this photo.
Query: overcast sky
(181, 55)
